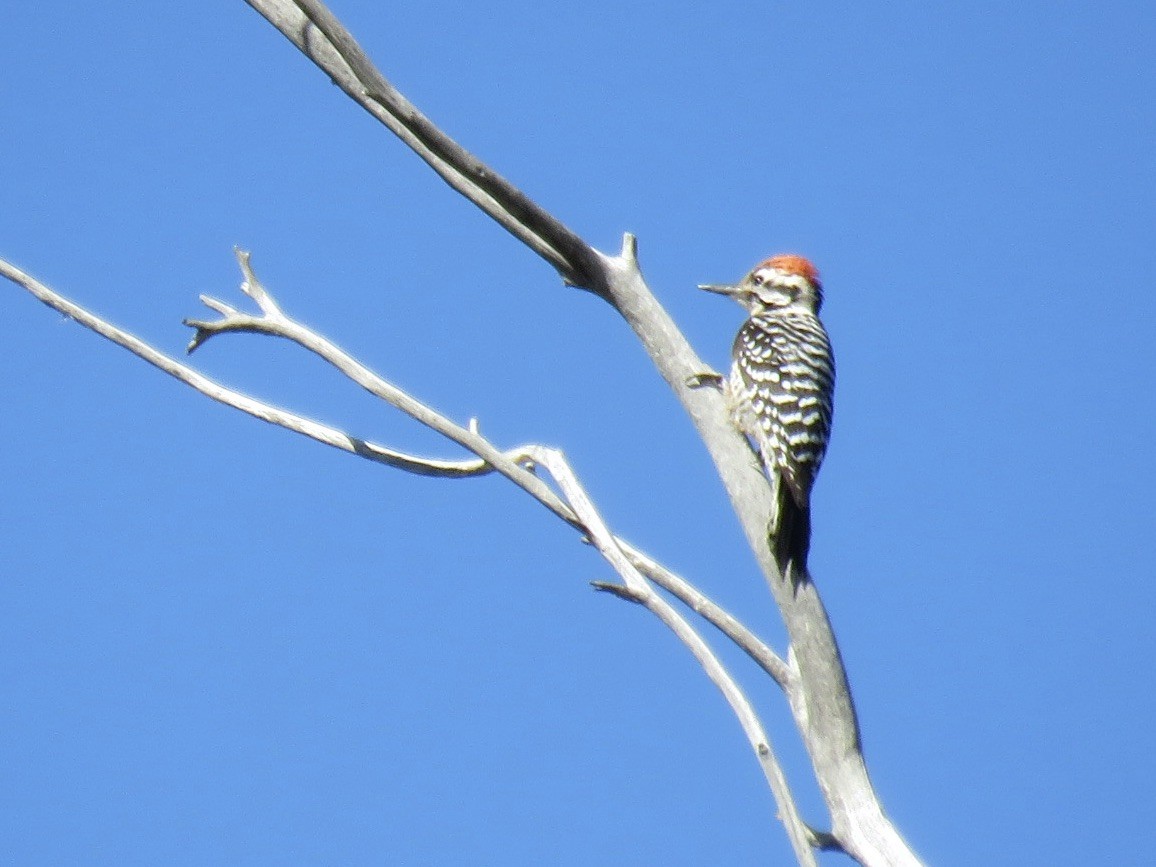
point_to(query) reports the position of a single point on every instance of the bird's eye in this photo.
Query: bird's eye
(758, 279)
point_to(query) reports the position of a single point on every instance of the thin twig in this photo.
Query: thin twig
(315, 430)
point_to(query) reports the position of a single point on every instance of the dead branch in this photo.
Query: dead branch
(814, 679)
(824, 710)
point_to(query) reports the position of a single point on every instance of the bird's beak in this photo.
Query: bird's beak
(719, 288)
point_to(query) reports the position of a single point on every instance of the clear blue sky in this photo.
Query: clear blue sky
(220, 643)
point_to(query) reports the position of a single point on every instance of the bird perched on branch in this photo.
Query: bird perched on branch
(780, 390)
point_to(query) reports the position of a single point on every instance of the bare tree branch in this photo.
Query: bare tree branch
(514, 464)
(516, 461)
(827, 716)
(814, 680)
(323, 433)
(694, 599)
(324, 40)
(640, 592)
(577, 508)
(824, 709)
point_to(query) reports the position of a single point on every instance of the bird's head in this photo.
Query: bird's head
(776, 284)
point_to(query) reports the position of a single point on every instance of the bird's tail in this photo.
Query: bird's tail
(791, 535)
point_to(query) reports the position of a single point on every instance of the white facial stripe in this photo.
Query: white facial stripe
(775, 277)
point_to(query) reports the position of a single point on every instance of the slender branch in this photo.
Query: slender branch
(323, 39)
(276, 324)
(516, 461)
(769, 661)
(315, 430)
(637, 590)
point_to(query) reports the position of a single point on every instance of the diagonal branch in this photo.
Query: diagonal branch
(323, 39)
(637, 590)
(315, 430)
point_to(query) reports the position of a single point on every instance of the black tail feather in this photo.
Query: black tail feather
(792, 536)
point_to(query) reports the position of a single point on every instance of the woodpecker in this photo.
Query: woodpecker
(780, 390)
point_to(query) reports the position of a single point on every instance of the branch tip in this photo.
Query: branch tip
(218, 305)
(202, 333)
(253, 287)
(630, 248)
(623, 592)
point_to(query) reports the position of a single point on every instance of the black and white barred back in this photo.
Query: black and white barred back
(781, 388)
